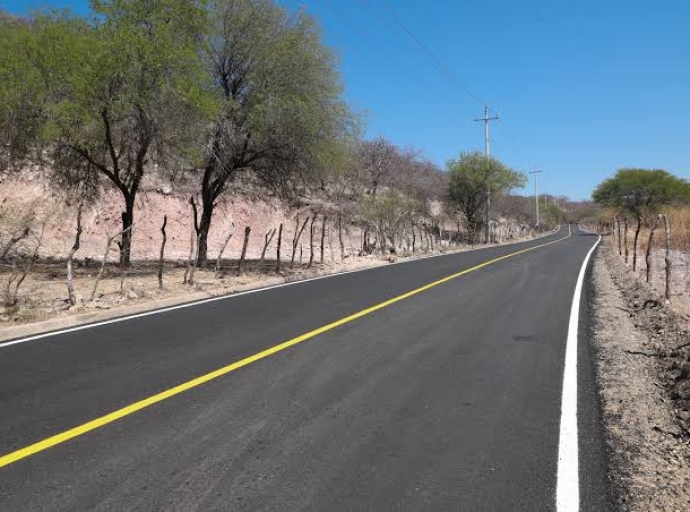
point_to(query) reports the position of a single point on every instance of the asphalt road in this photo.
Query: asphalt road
(447, 400)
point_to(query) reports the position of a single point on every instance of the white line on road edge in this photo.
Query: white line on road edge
(568, 485)
(232, 295)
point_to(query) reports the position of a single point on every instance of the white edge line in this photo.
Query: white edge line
(231, 295)
(568, 485)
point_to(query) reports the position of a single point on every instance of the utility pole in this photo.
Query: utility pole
(536, 193)
(487, 142)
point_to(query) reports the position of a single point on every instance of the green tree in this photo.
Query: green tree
(21, 91)
(388, 213)
(641, 193)
(280, 101)
(472, 178)
(114, 96)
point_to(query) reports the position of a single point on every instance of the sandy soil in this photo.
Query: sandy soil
(642, 377)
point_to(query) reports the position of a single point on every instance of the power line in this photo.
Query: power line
(386, 55)
(434, 58)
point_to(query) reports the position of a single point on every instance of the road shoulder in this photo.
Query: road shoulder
(648, 465)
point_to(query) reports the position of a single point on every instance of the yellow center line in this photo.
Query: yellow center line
(62, 437)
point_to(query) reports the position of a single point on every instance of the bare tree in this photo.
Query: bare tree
(311, 241)
(247, 230)
(650, 243)
(108, 244)
(295, 241)
(323, 236)
(70, 257)
(15, 280)
(222, 250)
(280, 241)
(268, 238)
(162, 253)
(14, 239)
(192, 261)
(340, 237)
(667, 257)
(625, 237)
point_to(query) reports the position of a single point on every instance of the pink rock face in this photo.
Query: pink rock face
(22, 198)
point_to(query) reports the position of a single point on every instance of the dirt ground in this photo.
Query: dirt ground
(643, 380)
(43, 295)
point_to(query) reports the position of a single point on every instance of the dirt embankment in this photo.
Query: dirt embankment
(643, 373)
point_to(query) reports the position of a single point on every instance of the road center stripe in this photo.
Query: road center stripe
(62, 437)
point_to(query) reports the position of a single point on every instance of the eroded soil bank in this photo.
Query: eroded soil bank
(643, 374)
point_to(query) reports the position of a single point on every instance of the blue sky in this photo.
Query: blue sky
(582, 87)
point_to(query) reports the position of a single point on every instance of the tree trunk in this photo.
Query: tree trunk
(487, 229)
(108, 243)
(323, 237)
(414, 240)
(204, 228)
(280, 241)
(330, 243)
(11, 296)
(15, 238)
(268, 237)
(667, 257)
(637, 236)
(625, 238)
(648, 254)
(247, 230)
(620, 242)
(162, 254)
(295, 240)
(219, 259)
(75, 248)
(127, 222)
(311, 241)
(340, 237)
(193, 237)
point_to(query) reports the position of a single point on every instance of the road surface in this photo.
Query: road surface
(446, 398)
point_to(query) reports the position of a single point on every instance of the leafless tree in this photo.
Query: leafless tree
(268, 238)
(70, 257)
(15, 280)
(667, 257)
(340, 237)
(625, 237)
(222, 250)
(280, 241)
(323, 237)
(247, 231)
(650, 243)
(162, 252)
(108, 244)
(193, 259)
(311, 241)
(14, 239)
(295, 241)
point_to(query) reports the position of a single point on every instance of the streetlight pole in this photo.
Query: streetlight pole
(536, 194)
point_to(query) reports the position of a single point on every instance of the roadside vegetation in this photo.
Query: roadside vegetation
(209, 104)
(641, 331)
